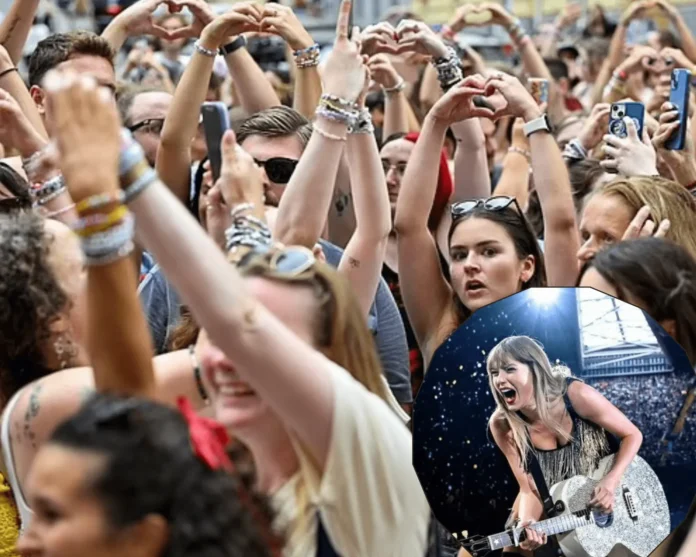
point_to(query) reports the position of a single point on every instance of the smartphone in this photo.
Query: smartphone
(621, 110)
(351, 19)
(680, 91)
(539, 88)
(216, 121)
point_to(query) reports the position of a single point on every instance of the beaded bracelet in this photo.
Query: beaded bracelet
(50, 189)
(59, 212)
(327, 135)
(304, 51)
(99, 222)
(205, 51)
(109, 241)
(236, 212)
(141, 183)
(342, 117)
(124, 251)
(363, 124)
(526, 154)
(99, 201)
(307, 57)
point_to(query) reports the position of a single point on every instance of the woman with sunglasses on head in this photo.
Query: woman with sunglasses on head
(492, 249)
(545, 414)
(296, 375)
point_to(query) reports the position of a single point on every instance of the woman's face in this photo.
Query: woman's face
(395, 155)
(604, 221)
(67, 261)
(484, 264)
(236, 405)
(172, 24)
(514, 383)
(68, 520)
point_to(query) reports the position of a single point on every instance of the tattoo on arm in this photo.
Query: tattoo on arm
(354, 263)
(33, 408)
(342, 202)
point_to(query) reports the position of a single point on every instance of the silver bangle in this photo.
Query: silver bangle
(236, 211)
(205, 51)
(141, 184)
(396, 89)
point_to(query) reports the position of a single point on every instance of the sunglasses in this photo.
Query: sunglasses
(399, 167)
(10, 205)
(278, 169)
(496, 203)
(153, 125)
(283, 262)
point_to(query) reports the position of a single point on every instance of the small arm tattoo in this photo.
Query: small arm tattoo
(33, 409)
(354, 263)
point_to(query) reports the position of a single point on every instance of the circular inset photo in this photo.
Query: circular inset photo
(556, 420)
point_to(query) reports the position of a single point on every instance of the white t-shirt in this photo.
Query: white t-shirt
(369, 497)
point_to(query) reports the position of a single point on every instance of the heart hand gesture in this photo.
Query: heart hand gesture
(462, 102)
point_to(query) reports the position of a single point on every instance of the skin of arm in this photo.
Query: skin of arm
(341, 222)
(425, 291)
(307, 90)
(13, 83)
(52, 399)
(16, 26)
(530, 506)
(616, 54)
(471, 174)
(561, 239)
(303, 209)
(688, 43)
(592, 406)
(254, 91)
(364, 256)
(514, 181)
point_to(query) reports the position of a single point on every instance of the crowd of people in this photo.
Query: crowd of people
(215, 349)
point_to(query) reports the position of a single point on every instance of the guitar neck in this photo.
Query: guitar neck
(550, 527)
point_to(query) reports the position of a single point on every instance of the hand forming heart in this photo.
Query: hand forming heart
(409, 36)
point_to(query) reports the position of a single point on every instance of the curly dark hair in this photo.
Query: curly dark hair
(150, 468)
(31, 300)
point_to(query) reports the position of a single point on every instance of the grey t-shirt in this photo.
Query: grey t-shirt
(161, 305)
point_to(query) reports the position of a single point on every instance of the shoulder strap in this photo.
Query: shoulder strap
(547, 501)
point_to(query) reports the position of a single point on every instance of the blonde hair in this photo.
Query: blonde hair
(666, 199)
(549, 383)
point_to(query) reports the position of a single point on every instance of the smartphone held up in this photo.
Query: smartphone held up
(216, 121)
(679, 94)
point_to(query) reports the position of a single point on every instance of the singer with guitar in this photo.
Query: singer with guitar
(546, 415)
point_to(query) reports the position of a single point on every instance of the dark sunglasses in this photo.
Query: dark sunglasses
(496, 203)
(10, 205)
(153, 125)
(278, 169)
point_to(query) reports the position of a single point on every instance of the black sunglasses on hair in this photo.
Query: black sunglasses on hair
(496, 203)
(278, 169)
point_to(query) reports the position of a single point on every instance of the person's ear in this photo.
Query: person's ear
(148, 537)
(528, 268)
(39, 98)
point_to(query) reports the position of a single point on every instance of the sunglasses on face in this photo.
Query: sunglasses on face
(278, 169)
(289, 262)
(496, 203)
(153, 125)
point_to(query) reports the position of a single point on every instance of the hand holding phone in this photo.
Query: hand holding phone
(633, 110)
(680, 92)
(216, 121)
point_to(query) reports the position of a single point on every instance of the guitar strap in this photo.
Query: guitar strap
(678, 427)
(552, 548)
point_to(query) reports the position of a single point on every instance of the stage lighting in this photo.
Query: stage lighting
(545, 297)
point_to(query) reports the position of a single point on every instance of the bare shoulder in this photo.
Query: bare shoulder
(500, 428)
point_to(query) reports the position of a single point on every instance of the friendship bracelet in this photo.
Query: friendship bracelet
(100, 200)
(204, 51)
(526, 154)
(143, 181)
(328, 135)
(312, 63)
(335, 116)
(197, 375)
(363, 124)
(338, 102)
(303, 51)
(49, 190)
(59, 212)
(99, 222)
(237, 210)
(121, 253)
(55, 195)
(104, 243)
(396, 89)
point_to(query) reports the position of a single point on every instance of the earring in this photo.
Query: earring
(65, 350)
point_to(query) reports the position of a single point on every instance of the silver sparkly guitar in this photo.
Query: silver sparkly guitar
(639, 523)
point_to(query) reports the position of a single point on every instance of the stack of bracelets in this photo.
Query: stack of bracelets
(307, 57)
(449, 70)
(47, 191)
(517, 33)
(617, 83)
(105, 226)
(246, 230)
(575, 151)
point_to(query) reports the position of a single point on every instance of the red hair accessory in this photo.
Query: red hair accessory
(445, 187)
(208, 437)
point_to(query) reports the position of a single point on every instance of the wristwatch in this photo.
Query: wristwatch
(539, 125)
(239, 42)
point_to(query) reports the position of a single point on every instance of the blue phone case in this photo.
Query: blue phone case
(216, 121)
(634, 110)
(679, 97)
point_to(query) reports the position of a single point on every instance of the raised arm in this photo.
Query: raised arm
(426, 293)
(12, 82)
(395, 102)
(304, 207)
(688, 43)
(174, 153)
(561, 239)
(119, 342)
(364, 256)
(134, 21)
(594, 407)
(16, 26)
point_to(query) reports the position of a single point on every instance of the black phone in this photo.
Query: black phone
(216, 121)
(350, 19)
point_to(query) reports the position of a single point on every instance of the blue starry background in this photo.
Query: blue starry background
(466, 479)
